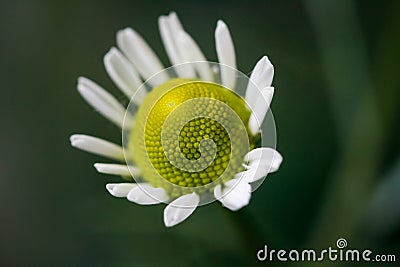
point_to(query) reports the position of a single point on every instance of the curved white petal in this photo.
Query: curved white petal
(167, 39)
(97, 146)
(101, 100)
(180, 209)
(175, 27)
(120, 190)
(121, 71)
(145, 194)
(123, 74)
(260, 109)
(260, 78)
(234, 195)
(192, 53)
(264, 156)
(226, 54)
(141, 55)
(116, 169)
(170, 27)
(261, 161)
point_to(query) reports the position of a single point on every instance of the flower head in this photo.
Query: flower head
(191, 133)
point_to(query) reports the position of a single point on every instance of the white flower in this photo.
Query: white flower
(224, 177)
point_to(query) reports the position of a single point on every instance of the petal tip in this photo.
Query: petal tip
(73, 137)
(110, 188)
(172, 14)
(220, 24)
(81, 79)
(180, 209)
(98, 166)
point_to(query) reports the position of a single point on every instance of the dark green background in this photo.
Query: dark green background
(336, 109)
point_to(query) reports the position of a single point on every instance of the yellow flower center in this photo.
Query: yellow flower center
(188, 134)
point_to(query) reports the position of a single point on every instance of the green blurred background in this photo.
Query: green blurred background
(336, 100)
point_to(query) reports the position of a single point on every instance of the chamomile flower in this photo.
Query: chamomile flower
(191, 133)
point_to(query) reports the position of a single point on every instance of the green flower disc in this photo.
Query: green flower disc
(188, 134)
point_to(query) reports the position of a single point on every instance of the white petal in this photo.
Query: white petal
(260, 109)
(260, 78)
(265, 156)
(226, 54)
(145, 194)
(102, 101)
(235, 195)
(175, 22)
(97, 146)
(167, 39)
(123, 74)
(261, 162)
(180, 209)
(141, 56)
(170, 27)
(120, 190)
(116, 169)
(192, 53)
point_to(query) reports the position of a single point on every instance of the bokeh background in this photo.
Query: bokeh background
(336, 110)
